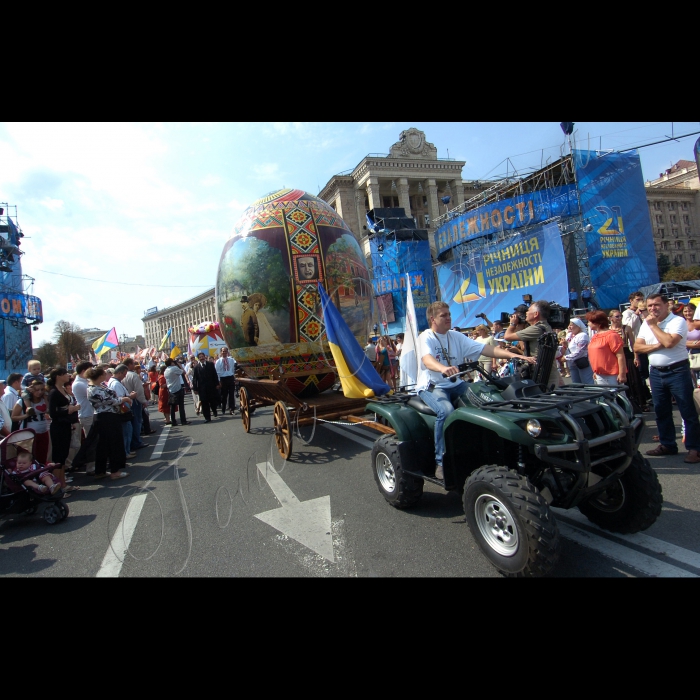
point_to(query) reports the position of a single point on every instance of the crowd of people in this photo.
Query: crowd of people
(97, 417)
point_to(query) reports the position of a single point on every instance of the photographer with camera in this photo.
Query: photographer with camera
(496, 326)
(537, 315)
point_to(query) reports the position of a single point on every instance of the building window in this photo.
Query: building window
(687, 232)
(684, 206)
(659, 218)
(686, 219)
(671, 206)
(691, 244)
(677, 259)
(679, 244)
(674, 231)
(664, 245)
(692, 257)
(662, 232)
(674, 219)
(657, 206)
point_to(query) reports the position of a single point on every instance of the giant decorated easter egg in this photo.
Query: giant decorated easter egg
(267, 298)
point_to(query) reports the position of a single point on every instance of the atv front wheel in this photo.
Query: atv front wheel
(400, 490)
(629, 505)
(511, 522)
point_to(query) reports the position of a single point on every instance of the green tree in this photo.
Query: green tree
(69, 342)
(664, 265)
(47, 354)
(261, 270)
(681, 274)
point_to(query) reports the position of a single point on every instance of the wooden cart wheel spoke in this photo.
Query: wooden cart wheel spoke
(283, 430)
(244, 405)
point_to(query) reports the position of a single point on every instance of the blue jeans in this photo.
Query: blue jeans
(136, 423)
(440, 400)
(580, 376)
(127, 430)
(679, 384)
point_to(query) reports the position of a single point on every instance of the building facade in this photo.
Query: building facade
(410, 176)
(180, 317)
(674, 209)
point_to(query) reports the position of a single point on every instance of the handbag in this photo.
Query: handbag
(694, 359)
(582, 362)
(125, 414)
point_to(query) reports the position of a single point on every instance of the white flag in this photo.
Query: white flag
(409, 350)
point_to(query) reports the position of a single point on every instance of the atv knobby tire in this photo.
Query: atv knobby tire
(511, 522)
(400, 490)
(629, 505)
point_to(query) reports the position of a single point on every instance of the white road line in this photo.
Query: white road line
(631, 557)
(349, 435)
(158, 449)
(653, 544)
(114, 558)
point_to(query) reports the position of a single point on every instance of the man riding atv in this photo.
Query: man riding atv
(441, 350)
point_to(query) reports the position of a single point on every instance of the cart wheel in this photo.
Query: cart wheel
(283, 430)
(244, 405)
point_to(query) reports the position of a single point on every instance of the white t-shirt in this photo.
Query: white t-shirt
(449, 349)
(631, 319)
(80, 387)
(666, 356)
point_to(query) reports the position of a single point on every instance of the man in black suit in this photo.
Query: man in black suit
(205, 381)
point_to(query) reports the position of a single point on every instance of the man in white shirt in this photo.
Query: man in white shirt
(371, 350)
(115, 384)
(225, 369)
(440, 350)
(11, 395)
(86, 413)
(133, 384)
(662, 337)
(174, 379)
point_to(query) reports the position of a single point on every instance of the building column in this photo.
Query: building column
(431, 191)
(457, 193)
(404, 200)
(375, 201)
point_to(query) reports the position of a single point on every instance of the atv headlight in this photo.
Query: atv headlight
(533, 428)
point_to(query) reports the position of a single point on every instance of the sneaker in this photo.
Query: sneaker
(131, 454)
(439, 474)
(55, 488)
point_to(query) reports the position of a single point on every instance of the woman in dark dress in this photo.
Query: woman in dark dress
(64, 412)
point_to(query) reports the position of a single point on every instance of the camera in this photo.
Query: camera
(559, 316)
(480, 316)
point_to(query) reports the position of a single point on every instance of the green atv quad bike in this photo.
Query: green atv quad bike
(516, 450)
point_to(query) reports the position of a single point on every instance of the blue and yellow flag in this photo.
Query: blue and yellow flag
(165, 339)
(356, 373)
(108, 341)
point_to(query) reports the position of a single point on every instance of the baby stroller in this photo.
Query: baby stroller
(15, 497)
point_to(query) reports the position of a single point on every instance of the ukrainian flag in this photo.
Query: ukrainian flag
(357, 374)
(165, 339)
(175, 351)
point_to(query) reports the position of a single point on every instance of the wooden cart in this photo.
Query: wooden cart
(290, 410)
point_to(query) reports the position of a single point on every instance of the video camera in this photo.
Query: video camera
(559, 316)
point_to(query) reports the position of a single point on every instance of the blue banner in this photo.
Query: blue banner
(391, 260)
(507, 214)
(21, 307)
(620, 245)
(495, 279)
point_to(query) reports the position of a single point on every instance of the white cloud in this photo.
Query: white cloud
(211, 180)
(52, 204)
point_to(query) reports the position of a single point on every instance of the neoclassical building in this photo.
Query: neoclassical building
(180, 317)
(674, 208)
(410, 176)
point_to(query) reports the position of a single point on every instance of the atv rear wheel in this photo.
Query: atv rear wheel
(631, 504)
(511, 522)
(400, 490)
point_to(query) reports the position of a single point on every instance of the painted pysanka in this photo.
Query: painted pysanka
(266, 291)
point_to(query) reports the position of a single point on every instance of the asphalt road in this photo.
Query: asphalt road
(196, 504)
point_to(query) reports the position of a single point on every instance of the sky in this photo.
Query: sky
(119, 218)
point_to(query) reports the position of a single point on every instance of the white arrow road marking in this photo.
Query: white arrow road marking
(307, 522)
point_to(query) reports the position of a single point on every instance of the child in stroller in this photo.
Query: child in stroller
(31, 473)
(19, 492)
